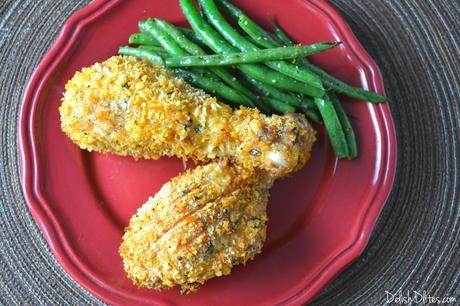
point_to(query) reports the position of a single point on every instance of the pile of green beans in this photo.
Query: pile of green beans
(250, 66)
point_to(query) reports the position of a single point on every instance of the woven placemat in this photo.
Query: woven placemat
(415, 245)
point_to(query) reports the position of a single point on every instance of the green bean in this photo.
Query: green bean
(267, 90)
(196, 38)
(279, 106)
(212, 86)
(312, 114)
(258, 33)
(267, 40)
(157, 50)
(254, 30)
(190, 34)
(232, 36)
(276, 105)
(346, 124)
(248, 57)
(143, 39)
(218, 45)
(333, 127)
(344, 88)
(193, 37)
(178, 35)
(165, 40)
(305, 104)
(143, 28)
(242, 32)
(286, 41)
(235, 13)
(230, 9)
(126, 50)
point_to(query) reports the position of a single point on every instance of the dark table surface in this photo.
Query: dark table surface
(415, 245)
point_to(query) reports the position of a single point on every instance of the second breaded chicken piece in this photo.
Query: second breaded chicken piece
(131, 107)
(198, 226)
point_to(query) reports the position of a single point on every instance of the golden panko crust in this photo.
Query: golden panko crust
(197, 226)
(131, 107)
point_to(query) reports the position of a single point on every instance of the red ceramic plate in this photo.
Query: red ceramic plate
(320, 218)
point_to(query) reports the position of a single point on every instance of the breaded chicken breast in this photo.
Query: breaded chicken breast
(131, 107)
(197, 227)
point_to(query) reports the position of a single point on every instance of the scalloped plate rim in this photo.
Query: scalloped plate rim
(53, 231)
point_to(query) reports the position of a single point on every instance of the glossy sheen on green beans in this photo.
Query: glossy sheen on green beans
(346, 125)
(231, 35)
(249, 57)
(192, 48)
(219, 45)
(143, 28)
(164, 39)
(333, 126)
